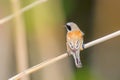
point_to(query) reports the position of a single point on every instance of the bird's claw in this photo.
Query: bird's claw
(68, 53)
(82, 48)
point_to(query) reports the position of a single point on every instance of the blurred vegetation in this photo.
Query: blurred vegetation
(44, 27)
(52, 14)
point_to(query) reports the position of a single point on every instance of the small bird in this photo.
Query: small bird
(74, 42)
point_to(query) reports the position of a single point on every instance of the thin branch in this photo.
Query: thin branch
(7, 18)
(100, 40)
(48, 62)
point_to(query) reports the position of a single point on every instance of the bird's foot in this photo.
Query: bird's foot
(82, 48)
(68, 53)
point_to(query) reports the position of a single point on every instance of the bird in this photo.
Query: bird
(74, 42)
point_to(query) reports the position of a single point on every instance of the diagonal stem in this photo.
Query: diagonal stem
(7, 18)
(53, 60)
(100, 40)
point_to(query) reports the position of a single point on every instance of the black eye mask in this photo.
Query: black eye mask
(68, 27)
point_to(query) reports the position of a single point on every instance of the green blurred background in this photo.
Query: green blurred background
(39, 34)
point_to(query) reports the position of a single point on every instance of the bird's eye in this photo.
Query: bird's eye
(68, 27)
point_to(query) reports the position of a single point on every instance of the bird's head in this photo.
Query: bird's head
(70, 26)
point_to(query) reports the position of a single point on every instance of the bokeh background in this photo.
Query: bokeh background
(39, 34)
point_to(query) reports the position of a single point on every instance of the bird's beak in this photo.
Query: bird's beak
(65, 26)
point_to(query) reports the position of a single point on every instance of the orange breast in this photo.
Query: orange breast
(74, 35)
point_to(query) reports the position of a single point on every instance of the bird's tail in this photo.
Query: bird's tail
(76, 57)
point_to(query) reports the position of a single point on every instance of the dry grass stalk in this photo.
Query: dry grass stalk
(7, 18)
(53, 60)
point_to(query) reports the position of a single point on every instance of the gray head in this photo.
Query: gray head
(70, 26)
